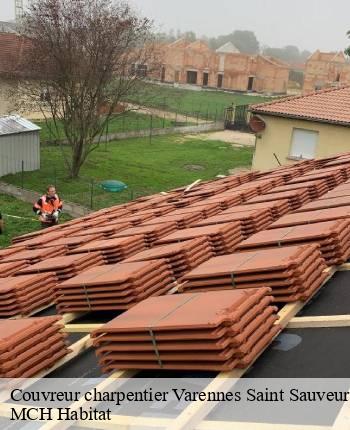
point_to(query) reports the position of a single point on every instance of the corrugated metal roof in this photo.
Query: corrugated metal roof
(15, 124)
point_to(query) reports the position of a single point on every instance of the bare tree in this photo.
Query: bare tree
(83, 55)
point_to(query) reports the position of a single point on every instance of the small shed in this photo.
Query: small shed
(19, 145)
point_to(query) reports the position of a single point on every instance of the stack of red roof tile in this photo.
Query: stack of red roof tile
(180, 202)
(216, 331)
(344, 169)
(157, 211)
(67, 266)
(133, 220)
(332, 236)
(225, 200)
(311, 217)
(104, 230)
(181, 257)
(20, 295)
(341, 161)
(113, 287)
(39, 241)
(321, 162)
(296, 198)
(151, 233)
(315, 188)
(114, 250)
(7, 252)
(222, 237)
(333, 178)
(74, 241)
(207, 209)
(31, 235)
(32, 256)
(277, 208)
(339, 191)
(9, 269)
(292, 272)
(245, 191)
(251, 221)
(28, 346)
(182, 220)
(324, 203)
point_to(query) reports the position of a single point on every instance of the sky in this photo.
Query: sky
(308, 24)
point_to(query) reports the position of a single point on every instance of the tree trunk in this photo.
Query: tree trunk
(77, 160)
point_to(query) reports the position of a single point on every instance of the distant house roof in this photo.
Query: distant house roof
(228, 48)
(337, 57)
(14, 124)
(329, 106)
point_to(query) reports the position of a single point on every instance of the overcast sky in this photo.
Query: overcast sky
(309, 24)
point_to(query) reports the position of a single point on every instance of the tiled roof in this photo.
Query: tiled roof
(329, 106)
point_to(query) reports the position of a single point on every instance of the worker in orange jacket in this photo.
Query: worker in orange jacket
(48, 207)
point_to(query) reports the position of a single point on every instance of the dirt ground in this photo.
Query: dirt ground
(237, 138)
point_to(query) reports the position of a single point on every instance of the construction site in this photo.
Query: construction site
(203, 278)
(211, 300)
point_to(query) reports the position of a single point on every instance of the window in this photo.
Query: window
(304, 143)
(205, 79)
(191, 77)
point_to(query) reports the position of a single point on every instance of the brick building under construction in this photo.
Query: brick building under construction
(196, 64)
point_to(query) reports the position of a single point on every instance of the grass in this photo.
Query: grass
(130, 121)
(205, 103)
(17, 226)
(145, 167)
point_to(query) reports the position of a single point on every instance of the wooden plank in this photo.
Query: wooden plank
(36, 311)
(81, 328)
(123, 375)
(320, 321)
(125, 422)
(189, 188)
(344, 267)
(342, 422)
(71, 316)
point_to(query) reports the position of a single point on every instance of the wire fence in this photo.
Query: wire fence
(85, 191)
(31, 174)
(132, 123)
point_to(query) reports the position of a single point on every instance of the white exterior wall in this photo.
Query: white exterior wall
(15, 148)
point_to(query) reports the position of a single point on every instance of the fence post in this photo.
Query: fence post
(164, 120)
(123, 125)
(92, 194)
(106, 140)
(150, 129)
(216, 113)
(22, 175)
(175, 119)
(197, 116)
(55, 177)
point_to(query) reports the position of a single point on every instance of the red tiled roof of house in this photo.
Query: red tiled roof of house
(329, 106)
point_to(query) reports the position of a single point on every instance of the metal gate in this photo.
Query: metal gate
(237, 118)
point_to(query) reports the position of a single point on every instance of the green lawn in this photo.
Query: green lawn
(17, 226)
(205, 103)
(165, 163)
(128, 121)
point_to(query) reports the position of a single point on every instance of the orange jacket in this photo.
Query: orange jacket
(47, 204)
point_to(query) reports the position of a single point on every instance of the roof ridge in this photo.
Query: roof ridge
(301, 96)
